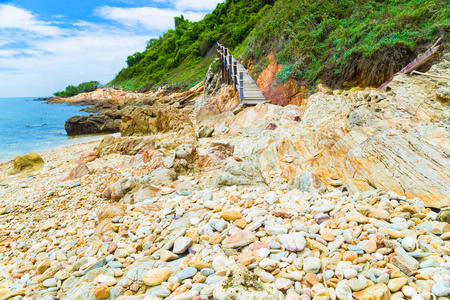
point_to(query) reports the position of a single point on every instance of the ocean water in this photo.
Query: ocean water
(33, 126)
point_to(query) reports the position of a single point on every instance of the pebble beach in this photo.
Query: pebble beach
(60, 239)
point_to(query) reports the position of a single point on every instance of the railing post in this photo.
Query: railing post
(226, 65)
(235, 76)
(230, 66)
(222, 66)
(241, 86)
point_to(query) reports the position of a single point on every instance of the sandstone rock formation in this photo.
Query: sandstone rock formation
(396, 140)
(30, 162)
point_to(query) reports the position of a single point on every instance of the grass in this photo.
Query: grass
(321, 38)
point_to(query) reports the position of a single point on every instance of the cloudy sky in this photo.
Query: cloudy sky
(46, 45)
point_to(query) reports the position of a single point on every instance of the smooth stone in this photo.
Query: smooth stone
(240, 239)
(207, 271)
(186, 273)
(182, 244)
(283, 284)
(49, 282)
(410, 244)
(101, 291)
(156, 276)
(158, 291)
(276, 229)
(376, 292)
(397, 283)
(355, 248)
(357, 284)
(213, 279)
(311, 265)
(325, 208)
(441, 289)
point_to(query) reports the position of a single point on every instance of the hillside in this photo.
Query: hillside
(340, 44)
(182, 55)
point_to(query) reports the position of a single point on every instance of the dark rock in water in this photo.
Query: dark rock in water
(107, 121)
(41, 99)
(30, 162)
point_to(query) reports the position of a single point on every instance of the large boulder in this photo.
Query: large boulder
(30, 162)
(157, 119)
(184, 159)
(240, 174)
(101, 123)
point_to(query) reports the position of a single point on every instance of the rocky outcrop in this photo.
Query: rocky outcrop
(396, 140)
(289, 92)
(101, 123)
(157, 119)
(30, 162)
(241, 174)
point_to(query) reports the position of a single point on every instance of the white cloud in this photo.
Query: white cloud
(56, 63)
(151, 18)
(197, 5)
(38, 58)
(18, 18)
(46, 58)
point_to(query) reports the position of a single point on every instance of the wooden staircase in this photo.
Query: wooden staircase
(233, 72)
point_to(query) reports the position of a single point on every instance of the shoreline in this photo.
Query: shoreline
(81, 139)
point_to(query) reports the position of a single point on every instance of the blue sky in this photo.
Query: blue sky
(46, 45)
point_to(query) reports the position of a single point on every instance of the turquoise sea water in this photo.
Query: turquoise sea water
(33, 126)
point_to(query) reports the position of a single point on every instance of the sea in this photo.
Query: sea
(27, 126)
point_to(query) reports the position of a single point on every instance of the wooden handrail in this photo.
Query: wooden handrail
(235, 74)
(229, 65)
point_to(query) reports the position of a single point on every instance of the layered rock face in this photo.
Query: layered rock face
(397, 140)
(157, 119)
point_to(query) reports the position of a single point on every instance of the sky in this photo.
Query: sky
(46, 45)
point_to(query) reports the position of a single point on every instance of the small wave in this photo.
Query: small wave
(33, 126)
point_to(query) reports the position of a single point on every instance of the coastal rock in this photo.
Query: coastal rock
(312, 265)
(377, 292)
(78, 172)
(156, 276)
(158, 119)
(444, 215)
(293, 242)
(240, 174)
(182, 244)
(30, 162)
(205, 132)
(240, 284)
(91, 124)
(240, 239)
(101, 291)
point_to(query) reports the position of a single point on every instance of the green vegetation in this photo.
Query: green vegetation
(182, 55)
(84, 87)
(343, 42)
(337, 41)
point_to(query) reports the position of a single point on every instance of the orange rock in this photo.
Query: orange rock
(350, 256)
(230, 215)
(312, 278)
(240, 223)
(199, 278)
(101, 291)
